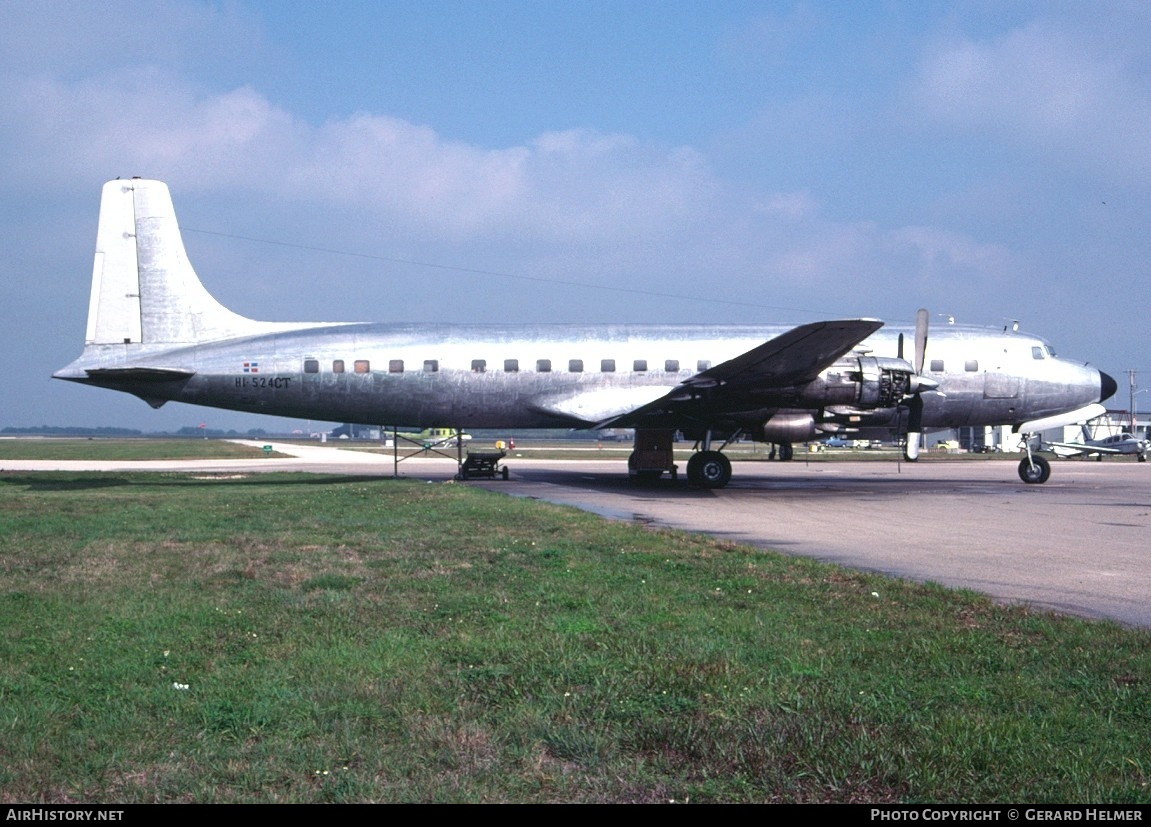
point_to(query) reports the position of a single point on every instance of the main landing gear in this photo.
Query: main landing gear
(708, 469)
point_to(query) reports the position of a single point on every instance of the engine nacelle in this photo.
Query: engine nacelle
(787, 426)
(862, 382)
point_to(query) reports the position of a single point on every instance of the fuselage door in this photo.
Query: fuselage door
(1000, 386)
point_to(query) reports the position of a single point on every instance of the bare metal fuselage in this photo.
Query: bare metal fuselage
(566, 376)
(155, 331)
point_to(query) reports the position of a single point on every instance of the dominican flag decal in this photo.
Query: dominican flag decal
(251, 367)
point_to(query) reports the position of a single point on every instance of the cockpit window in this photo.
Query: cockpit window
(1037, 353)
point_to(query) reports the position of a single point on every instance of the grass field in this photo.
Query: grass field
(309, 639)
(126, 449)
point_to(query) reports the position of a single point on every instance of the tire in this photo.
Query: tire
(1035, 472)
(786, 452)
(504, 473)
(708, 469)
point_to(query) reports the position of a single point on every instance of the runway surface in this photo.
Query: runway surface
(1078, 544)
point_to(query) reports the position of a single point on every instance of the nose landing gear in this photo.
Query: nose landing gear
(1033, 470)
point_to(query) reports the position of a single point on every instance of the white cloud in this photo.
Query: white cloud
(567, 203)
(1045, 89)
(942, 260)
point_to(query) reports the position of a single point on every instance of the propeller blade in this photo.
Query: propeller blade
(912, 449)
(921, 317)
(915, 414)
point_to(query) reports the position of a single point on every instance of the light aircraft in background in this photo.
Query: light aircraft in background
(154, 331)
(1123, 444)
(436, 437)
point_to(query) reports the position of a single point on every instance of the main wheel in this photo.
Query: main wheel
(786, 452)
(708, 469)
(1035, 472)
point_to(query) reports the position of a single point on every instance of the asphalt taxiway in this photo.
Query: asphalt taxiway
(1079, 544)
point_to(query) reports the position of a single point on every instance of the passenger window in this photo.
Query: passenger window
(364, 366)
(971, 365)
(337, 366)
(607, 365)
(511, 365)
(937, 366)
(394, 366)
(671, 365)
(702, 365)
(543, 365)
(639, 365)
(431, 365)
(575, 365)
(311, 366)
(479, 366)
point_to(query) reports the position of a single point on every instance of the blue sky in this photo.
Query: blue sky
(616, 162)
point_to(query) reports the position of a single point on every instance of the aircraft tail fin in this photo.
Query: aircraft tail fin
(144, 290)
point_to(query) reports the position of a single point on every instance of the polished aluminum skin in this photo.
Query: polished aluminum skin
(155, 332)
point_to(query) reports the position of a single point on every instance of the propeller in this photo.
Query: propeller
(918, 385)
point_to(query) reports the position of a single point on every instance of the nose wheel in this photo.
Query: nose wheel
(1033, 470)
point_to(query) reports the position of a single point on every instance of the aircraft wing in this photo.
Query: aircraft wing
(1070, 449)
(790, 359)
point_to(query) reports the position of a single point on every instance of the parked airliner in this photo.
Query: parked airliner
(155, 332)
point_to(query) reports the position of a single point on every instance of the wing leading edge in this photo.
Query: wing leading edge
(791, 359)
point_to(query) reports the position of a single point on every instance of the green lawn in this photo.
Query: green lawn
(125, 449)
(310, 639)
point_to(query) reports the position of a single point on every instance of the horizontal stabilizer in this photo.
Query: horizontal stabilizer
(141, 374)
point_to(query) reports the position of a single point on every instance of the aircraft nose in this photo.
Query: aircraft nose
(1107, 386)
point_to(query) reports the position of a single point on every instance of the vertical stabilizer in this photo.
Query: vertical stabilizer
(144, 290)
